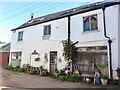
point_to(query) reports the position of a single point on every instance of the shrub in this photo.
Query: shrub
(25, 67)
(21, 70)
(33, 72)
(62, 72)
(63, 78)
(16, 69)
(8, 67)
(78, 79)
(72, 78)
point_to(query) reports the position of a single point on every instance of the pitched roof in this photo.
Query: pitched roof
(5, 48)
(66, 13)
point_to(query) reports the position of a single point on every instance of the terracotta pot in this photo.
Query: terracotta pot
(104, 81)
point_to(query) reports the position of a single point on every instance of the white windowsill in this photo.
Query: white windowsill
(93, 31)
(46, 37)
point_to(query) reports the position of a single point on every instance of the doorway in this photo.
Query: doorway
(16, 59)
(53, 61)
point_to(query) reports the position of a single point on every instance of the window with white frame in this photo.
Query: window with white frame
(20, 36)
(47, 30)
(90, 23)
(16, 55)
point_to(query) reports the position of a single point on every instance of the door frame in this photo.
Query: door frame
(50, 60)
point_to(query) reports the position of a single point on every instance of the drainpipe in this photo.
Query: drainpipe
(69, 42)
(109, 42)
(69, 29)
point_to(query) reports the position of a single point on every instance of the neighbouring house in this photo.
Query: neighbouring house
(96, 26)
(4, 54)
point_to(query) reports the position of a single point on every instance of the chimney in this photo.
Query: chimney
(32, 16)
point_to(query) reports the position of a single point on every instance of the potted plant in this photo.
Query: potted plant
(56, 73)
(104, 80)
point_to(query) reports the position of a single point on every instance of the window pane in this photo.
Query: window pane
(20, 36)
(47, 30)
(86, 24)
(94, 25)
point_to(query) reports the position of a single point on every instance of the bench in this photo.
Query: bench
(90, 76)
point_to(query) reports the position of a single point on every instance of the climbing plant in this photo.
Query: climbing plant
(70, 51)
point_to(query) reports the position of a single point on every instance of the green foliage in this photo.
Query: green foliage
(62, 72)
(16, 69)
(8, 67)
(70, 50)
(78, 79)
(75, 78)
(21, 70)
(56, 70)
(33, 72)
(63, 78)
(71, 78)
(25, 67)
(104, 77)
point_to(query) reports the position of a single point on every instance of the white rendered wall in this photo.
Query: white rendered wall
(33, 37)
(33, 40)
(96, 38)
(119, 37)
(112, 32)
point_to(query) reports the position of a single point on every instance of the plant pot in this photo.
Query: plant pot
(56, 75)
(104, 81)
(88, 80)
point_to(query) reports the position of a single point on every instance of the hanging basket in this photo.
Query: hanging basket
(37, 59)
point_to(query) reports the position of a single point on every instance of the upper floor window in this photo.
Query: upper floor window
(47, 30)
(20, 36)
(90, 23)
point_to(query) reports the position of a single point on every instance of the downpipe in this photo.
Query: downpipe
(109, 44)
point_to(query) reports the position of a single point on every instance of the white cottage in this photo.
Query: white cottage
(96, 27)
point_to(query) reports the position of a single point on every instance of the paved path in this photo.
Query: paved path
(21, 80)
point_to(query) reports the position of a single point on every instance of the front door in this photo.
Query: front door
(16, 59)
(53, 61)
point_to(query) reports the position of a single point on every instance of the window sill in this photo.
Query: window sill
(90, 31)
(20, 41)
(46, 37)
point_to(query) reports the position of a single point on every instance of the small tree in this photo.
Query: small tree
(70, 51)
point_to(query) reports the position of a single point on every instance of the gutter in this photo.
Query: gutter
(109, 43)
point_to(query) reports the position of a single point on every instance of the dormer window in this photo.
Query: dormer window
(90, 23)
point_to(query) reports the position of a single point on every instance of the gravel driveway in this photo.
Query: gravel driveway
(21, 80)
